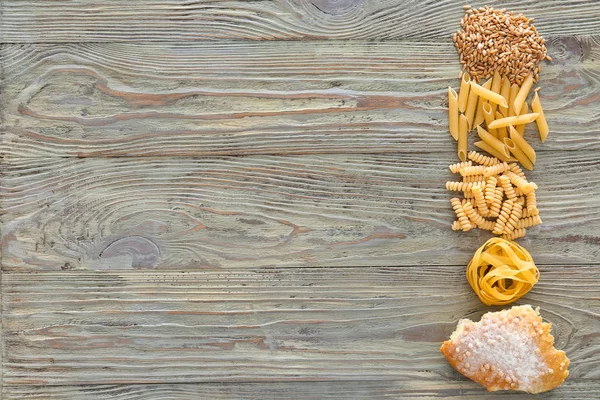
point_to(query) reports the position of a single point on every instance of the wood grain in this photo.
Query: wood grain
(250, 98)
(374, 390)
(269, 325)
(121, 20)
(330, 210)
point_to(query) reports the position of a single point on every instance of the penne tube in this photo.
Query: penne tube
(522, 144)
(488, 116)
(521, 128)
(518, 154)
(498, 145)
(463, 130)
(522, 95)
(514, 91)
(488, 95)
(463, 93)
(496, 86)
(542, 124)
(505, 92)
(479, 114)
(489, 149)
(453, 113)
(471, 108)
(514, 120)
(501, 132)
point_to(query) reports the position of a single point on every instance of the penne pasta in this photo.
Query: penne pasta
(463, 130)
(522, 95)
(542, 124)
(505, 92)
(488, 94)
(501, 132)
(463, 93)
(488, 116)
(489, 149)
(514, 120)
(518, 154)
(521, 128)
(496, 86)
(471, 107)
(522, 144)
(453, 113)
(498, 145)
(514, 91)
(479, 114)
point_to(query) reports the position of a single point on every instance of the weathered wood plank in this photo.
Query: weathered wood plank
(269, 325)
(333, 210)
(246, 98)
(373, 390)
(121, 20)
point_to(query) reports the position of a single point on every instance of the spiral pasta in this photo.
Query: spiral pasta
(503, 217)
(481, 159)
(473, 170)
(516, 234)
(461, 186)
(501, 272)
(455, 168)
(529, 221)
(509, 191)
(513, 219)
(480, 201)
(496, 196)
(460, 213)
(495, 169)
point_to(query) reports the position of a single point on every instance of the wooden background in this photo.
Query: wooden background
(244, 199)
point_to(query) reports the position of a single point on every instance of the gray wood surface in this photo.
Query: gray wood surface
(123, 20)
(325, 210)
(323, 324)
(115, 100)
(190, 214)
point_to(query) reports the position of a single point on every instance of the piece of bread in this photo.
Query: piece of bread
(508, 350)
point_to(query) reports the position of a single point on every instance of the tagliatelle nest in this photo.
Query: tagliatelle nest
(501, 272)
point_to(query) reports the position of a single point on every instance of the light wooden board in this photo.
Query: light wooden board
(329, 210)
(210, 99)
(270, 325)
(357, 390)
(122, 20)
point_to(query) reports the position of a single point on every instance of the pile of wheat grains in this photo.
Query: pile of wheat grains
(493, 40)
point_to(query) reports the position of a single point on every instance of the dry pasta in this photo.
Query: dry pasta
(522, 95)
(495, 169)
(518, 154)
(529, 222)
(501, 132)
(487, 94)
(496, 203)
(532, 209)
(471, 107)
(501, 272)
(512, 235)
(514, 120)
(453, 113)
(522, 144)
(513, 219)
(481, 159)
(496, 86)
(542, 124)
(503, 217)
(480, 201)
(463, 130)
(514, 168)
(463, 93)
(488, 116)
(514, 91)
(489, 149)
(474, 178)
(496, 144)
(462, 186)
(460, 213)
(505, 92)
(455, 168)
(521, 128)
(473, 170)
(507, 187)
(479, 113)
